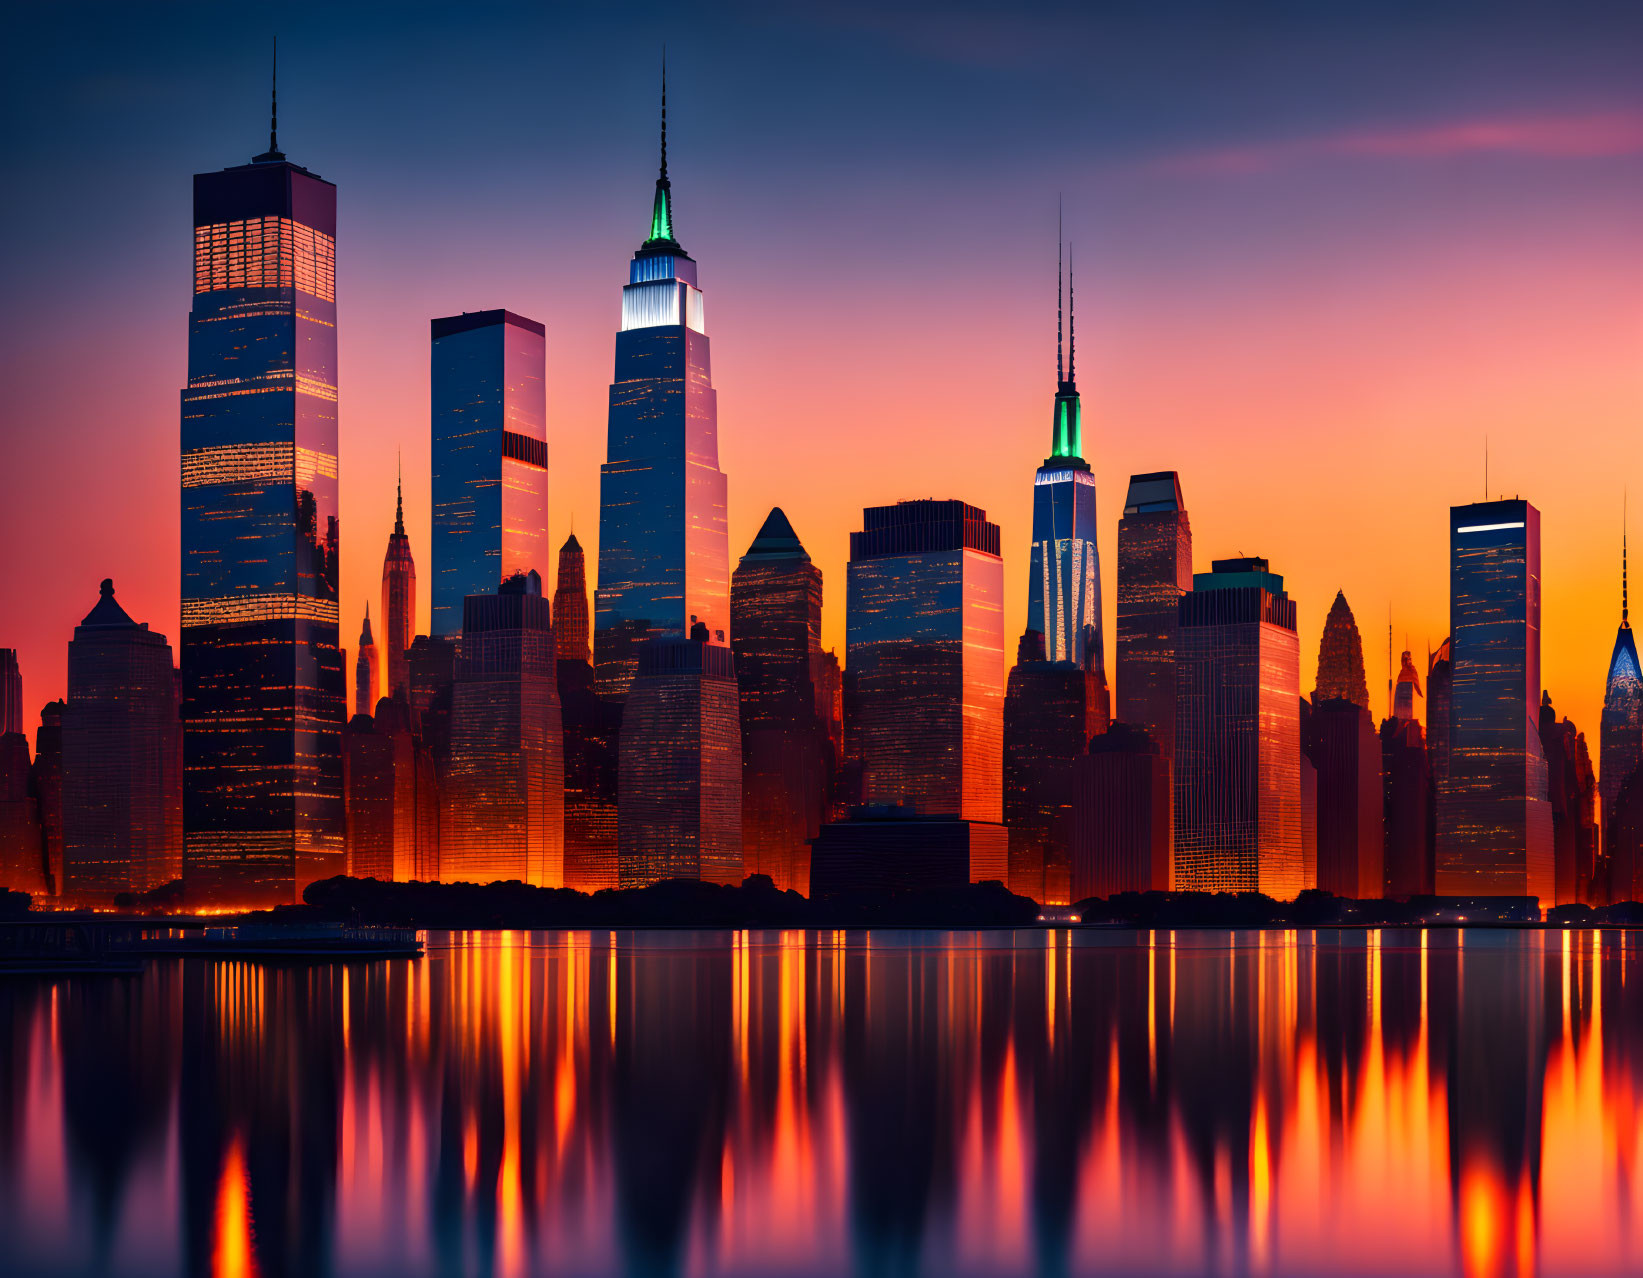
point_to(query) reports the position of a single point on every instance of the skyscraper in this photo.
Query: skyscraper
(664, 541)
(504, 789)
(1407, 792)
(1154, 571)
(264, 698)
(679, 809)
(490, 457)
(570, 604)
(1440, 684)
(398, 604)
(366, 682)
(46, 782)
(11, 692)
(1572, 787)
(775, 628)
(1237, 734)
(122, 795)
(1064, 586)
(22, 860)
(393, 804)
(1408, 688)
(1494, 818)
(1620, 745)
(1339, 738)
(1120, 816)
(925, 658)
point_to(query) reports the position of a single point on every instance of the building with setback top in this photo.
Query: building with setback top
(398, 604)
(264, 697)
(1620, 744)
(592, 731)
(1154, 571)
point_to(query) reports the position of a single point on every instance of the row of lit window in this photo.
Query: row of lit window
(265, 252)
(238, 609)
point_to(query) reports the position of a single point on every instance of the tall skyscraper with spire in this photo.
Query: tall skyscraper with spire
(1064, 589)
(570, 603)
(1621, 741)
(366, 680)
(398, 604)
(264, 697)
(664, 543)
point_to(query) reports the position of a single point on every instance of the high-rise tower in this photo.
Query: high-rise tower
(1154, 571)
(570, 603)
(1064, 588)
(664, 543)
(366, 667)
(263, 691)
(398, 604)
(1339, 738)
(490, 457)
(1620, 746)
(1494, 817)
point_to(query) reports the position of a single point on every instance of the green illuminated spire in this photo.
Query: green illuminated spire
(1067, 438)
(661, 210)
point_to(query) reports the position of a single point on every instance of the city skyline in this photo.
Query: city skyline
(1488, 364)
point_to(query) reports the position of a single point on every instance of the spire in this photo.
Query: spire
(1067, 432)
(1072, 324)
(661, 210)
(399, 500)
(273, 154)
(1624, 610)
(1060, 370)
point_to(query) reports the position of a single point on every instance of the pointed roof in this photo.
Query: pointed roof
(776, 539)
(273, 155)
(571, 544)
(1340, 658)
(365, 632)
(108, 615)
(1623, 662)
(399, 501)
(660, 239)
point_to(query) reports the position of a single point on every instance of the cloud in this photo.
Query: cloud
(1595, 135)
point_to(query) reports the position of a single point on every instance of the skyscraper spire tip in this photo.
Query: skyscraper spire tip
(1072, 323)
(273, 153)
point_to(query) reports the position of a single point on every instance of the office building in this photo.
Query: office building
(1407, 804)
(1620, 744)
(592, 732)
(11, 692)
(1237, 780)
(398, 604)
(664, 538)
(1572, 792)
(1154, 571)
(490, 457)
(1494, 817)
(46, 780)
(1341, 741)
(22, 855)
(775, 628)
(679, 796)
(504, 785)
(366, 668)
(886, 848)
(122, 791)
(264, 697)
(1120, 816)
(1408, 688)
(925, 659)
(393, 799)
(572, 637)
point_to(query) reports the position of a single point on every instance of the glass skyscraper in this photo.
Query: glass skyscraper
(1494, 816)
(263, 692)
(1621, 741)
(664, 542)
(1064, 589)
(1238, 734)
(1154, 571)
(925, 658)
(490, 457)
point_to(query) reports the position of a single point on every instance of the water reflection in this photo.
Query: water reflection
(749, 1103)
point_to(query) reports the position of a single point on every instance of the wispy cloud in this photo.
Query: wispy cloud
(1599, 134)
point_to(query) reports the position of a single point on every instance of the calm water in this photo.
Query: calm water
(818, 1103)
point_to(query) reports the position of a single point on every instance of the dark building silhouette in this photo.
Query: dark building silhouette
(393, 797)
(1051, 710)
(775, 634)
(1572, 789)
(431, 666)
(1622, 876)
(398, 604)
(264, 697)
(1237, 777)
(504, 786)
(1064, 581)
(1408, 806)
(1154, 571)
(1408, 688)
(22, 859)
(891, 847)
(1121, 815)
(122, 791)
(1494, 818)
(1440, 683)
(592, 732)
(366, 669)
(1620, 745)
(46, 780)
(1341, 742)
(11, 692)
(679, 797)
(490, 457)
(925, 659)
(664, 539)
(572, 637)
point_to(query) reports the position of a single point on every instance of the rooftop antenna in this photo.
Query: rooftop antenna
(1389, 701)
(1623, 601)
(1486, 468)
(1060, 369)
(1072, 322)
(273, 152)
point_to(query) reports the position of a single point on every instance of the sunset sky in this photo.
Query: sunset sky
(1322, 253)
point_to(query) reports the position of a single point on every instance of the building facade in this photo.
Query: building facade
(1620, 743)
(398, 604)
(487, 384)
(122, 788)
(1572, 790)
(664, 536)
(1237, 780)
(1154, 571)
(1340, 739)
(925, 659)
(572, 638)
(592, 735)
(366, 669)
(775, 628)
(504, 787)
(1494, 816)
(679, 806)
(1121, 816)
(264, 697)
(11, 692)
